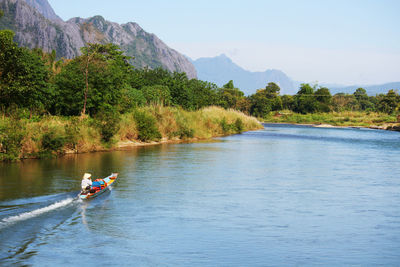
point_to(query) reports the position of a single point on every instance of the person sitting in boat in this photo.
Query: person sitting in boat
(86, 182)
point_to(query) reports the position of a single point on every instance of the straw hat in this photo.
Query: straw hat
(87, 176)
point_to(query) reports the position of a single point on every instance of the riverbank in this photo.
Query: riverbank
(371, 120)
(53, 135)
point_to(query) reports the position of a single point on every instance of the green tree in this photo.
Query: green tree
(272, 90)
(229, 85)
(324, 98)
(305, 101)
(287, 102)
(229, 96)
(108, 77)
(23, 77)
(157, 94)
(362, 100)
(100, 54)
(389, 103)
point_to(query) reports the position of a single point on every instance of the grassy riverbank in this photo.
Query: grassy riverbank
(54, 135)
(345, 119)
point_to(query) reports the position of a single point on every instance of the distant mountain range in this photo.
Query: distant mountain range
(37, 25)
(222, 69)
(372, 90)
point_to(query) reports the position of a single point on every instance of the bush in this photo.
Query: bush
(107, 120)
(11, 135)
(184, 133)
(239, 126)
(146, 125)
(72, 132)
(225, 126)
(51, 142)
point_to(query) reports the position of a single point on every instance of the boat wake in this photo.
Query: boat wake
(31, 214)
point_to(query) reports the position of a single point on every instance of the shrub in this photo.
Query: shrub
(51, 142)
(11, 135)
(225, 126)
(239, 127)
(146, 125)
(72, 132)
(107, 120)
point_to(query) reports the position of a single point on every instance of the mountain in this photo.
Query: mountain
(44, 8)
(36, 25)
(372, 90)
(222, 69)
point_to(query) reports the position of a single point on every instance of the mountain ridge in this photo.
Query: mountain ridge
(36, 25)
(221, 69)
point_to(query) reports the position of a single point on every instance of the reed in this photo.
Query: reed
(346, 118)
(54, 135)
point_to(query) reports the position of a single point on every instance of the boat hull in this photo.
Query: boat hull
(109, 180)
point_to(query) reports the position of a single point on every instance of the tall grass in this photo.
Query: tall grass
(53, 135)
(346, 118)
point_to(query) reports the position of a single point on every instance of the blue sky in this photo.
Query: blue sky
(346, 42)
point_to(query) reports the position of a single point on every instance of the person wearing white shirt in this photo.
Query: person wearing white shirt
(86, 182)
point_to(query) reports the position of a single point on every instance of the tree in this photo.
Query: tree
(272, 90)
(324, 98)
(287, 102)
(157, 94)
(23, 76)
(229, 85)
(99, 54)
(305, 101)
(362, 99)
(107, 78)
(360, 94)
(389, 103)
(229, 96)
(1, 13)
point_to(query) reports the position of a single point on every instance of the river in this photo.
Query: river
(282, 196)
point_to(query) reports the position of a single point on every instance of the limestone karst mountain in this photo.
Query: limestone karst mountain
(36, 25)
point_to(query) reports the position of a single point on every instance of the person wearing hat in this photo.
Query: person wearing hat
(86, 182)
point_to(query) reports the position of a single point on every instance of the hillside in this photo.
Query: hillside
(36, 25)
(221, 69)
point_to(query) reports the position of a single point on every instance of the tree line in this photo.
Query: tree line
(33, 83)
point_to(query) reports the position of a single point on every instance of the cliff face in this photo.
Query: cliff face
(36, 25)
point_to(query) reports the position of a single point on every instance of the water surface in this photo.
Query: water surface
(285, 195)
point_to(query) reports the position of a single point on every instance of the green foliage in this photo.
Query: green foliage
(12, 133)
(239, 126)
(107, 120)
(52, 142)
(72, 132)
(146, 126)
(1, 13)
(157, 95)
(23, 77)
(184, 133)
(236, 127)
(225, 126)
(229, 85)
(389, 103)
(131, 98)
(305, 101)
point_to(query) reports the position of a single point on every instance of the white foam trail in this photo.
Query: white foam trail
(27, 215)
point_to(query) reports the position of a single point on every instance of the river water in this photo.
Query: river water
(284, 195)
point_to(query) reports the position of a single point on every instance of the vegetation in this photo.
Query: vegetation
(56, 135)
(97, 100)
(344, 118)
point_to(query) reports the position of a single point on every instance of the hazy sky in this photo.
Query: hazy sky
(328, 41)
